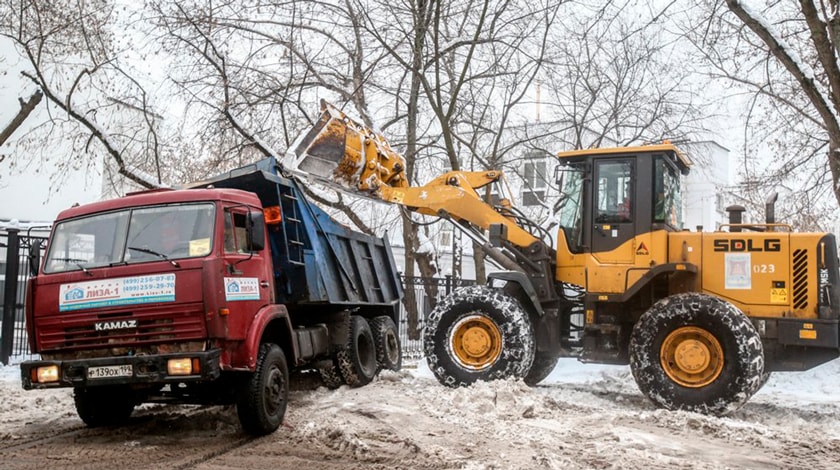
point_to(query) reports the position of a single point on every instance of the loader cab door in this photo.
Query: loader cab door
(614, 210)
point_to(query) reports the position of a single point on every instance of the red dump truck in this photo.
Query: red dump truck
(208, 295)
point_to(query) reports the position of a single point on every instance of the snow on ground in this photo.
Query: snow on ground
(581, 416)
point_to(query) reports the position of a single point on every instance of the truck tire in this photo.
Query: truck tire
(698, 353)
(262, 399)
(357, 361)
(387, 339)
(543, 364)
(478, 333)
(105, 405)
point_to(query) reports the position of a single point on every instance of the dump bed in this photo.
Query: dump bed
(318, 262)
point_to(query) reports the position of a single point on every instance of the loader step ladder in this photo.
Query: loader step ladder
(292, 226)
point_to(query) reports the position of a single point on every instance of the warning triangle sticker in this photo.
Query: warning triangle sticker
(642, 250)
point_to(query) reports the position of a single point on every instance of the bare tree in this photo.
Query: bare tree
(612, 80)
(256, 71)
(780, 62)
(74, 60)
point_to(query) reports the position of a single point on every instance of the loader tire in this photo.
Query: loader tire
(104, 406)
(478, 333)
(698, 353)
(387, 339)
(543, 364)
(357, 361)
(764, 378)
(262, 400)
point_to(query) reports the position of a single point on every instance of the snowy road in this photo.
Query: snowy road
(582, 417)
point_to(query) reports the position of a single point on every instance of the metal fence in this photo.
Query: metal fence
(20, 251)
(427, 292)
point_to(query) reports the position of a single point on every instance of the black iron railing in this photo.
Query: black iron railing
(22, 252)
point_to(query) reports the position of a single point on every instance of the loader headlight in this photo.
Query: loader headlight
(46, 374)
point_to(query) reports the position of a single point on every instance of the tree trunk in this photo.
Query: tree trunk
(26, 108)
(410, 229)
(479, 257)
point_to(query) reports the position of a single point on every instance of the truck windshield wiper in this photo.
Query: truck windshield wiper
(155, 253)
(78, 262)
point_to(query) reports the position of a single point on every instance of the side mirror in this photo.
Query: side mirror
(34, 257)
(256, 231)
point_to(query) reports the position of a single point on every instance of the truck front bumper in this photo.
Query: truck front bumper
(151, 369)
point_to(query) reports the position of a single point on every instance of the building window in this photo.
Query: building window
(535, 182)
(445, 238)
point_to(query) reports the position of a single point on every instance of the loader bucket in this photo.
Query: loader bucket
(340, 151)
(321, 152)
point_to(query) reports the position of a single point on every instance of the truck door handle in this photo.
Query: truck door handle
(263, 283)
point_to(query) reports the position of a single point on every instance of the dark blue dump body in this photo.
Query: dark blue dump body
(318, 262)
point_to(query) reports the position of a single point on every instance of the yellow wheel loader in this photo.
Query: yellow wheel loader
(702, 318)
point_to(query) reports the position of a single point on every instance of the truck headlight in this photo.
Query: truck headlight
(182, 366)
(47, 374)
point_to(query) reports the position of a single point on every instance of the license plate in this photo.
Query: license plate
(105, 372)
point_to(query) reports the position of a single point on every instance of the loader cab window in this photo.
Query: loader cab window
(667, 196)
(569, 207)
(614, 192)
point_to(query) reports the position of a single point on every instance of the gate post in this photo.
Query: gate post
(10, 295)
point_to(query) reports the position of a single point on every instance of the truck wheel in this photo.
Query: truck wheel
(388, 350)
(104, 406)
(698, 353)
(478, 333)
(543, 364)
(262, 400)
(358, 360)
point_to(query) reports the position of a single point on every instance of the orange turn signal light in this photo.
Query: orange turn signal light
(272, 215)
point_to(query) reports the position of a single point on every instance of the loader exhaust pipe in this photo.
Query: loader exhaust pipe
(770, 208)
(736, 217)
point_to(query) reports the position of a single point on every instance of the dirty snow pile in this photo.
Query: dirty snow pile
(581, 416)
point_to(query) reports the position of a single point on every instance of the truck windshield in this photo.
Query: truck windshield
(569, 207)
(134, 235)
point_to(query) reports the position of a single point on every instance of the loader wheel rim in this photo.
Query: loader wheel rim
(692, 357)
(477, 342)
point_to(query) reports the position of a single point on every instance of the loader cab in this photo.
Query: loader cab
(610, 196)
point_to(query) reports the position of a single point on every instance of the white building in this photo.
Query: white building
(705, 190)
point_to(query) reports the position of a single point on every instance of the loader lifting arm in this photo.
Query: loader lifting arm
(340, 151)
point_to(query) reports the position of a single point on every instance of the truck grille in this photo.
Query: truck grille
(800, 279)
(154, 327)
